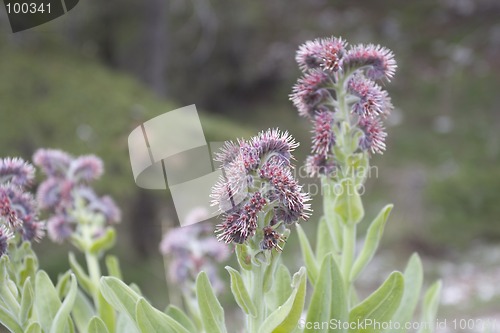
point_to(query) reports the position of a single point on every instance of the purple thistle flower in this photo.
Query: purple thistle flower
(322, 52)
(379, 60)
(5, 236)
(59, 228)
(271, 240)
(317, 165)
(227, 153)
(85, 168)
(32, 230)
(258, 180)
(374, 135)
(16, 206)
(310, 91)
(16, 171)
(323, 138)
(53, 162)
(49, 193)
(373, 100)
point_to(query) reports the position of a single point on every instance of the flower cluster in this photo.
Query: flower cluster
(193, 249)
(18, 209)
(67, 182)
(258, 194)
(337, 77)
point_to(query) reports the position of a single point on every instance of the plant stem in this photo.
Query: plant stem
(349, 244)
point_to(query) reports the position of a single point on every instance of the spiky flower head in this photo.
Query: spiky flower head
(193, 248)
(339, 93)
(258, 189)
(18, 208)
(67, 182)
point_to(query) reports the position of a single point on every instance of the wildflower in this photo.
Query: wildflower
(339, 93)
(16, 171)
(192, 249)
(325, 53)
(374, 135)
(18, 208)
(373, 100)
(258, 181)
(323, 138)
(377, 61)
(310, 91)
(67, 181)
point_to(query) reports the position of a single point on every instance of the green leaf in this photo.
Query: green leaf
(430, 306)
(119, 295)
(373, 236)
(319, 307)
(378, 307)
(179, 315)
(329, 297)
(324, 240)
(47, 302)
(281, 290)
(308, 256)
(9, 320)
(82, 311)
(29, 268)
(244, 258)
(34, 328)
(113, 266)
(27, 300)
(62, 284)
(83, 279)
(240, 292)
(106, 312)
(60, 323)
(103, 243)
(212, 313)
(152, 320)
(96, 325)
(331, 218)
(270, 270)
(125, 325)
(348, 204)
(285, 318)
(413, 276)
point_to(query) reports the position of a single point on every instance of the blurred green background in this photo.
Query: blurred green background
(81, 83)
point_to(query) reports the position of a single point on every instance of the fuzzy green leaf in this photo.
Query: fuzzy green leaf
(373, 236)
(82, 311)
(244, 258)
(28, 270)
(319, 307)
(212, 313)
(151, 320)
(96, 325)
(240, 292)
(59, 325)
(179, 315)
(379, 306)
(348, 204)
(430, 306)
(34, 328)
(113, 266)
(413, 276)
(27, 300)
(8, 320)
(47, 302)
(103, 243)
(119, 295)
(62, 284)
(83, 278)
(281, 290)
(332, 220)
(308, 256)
(285, 318)
(324, 243)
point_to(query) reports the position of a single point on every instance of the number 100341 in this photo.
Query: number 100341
(27, 8)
